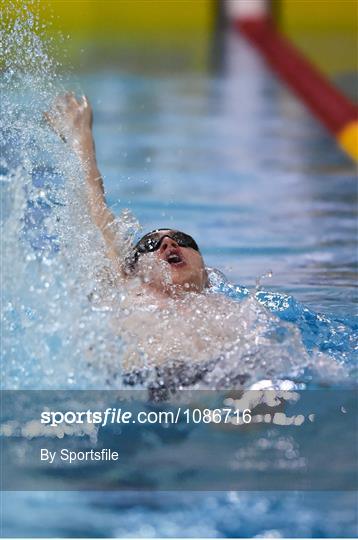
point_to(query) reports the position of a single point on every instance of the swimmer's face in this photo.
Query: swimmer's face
(173, 264)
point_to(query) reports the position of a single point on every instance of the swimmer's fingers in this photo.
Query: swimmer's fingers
(85, 102)
(70, 118)
(65, 104)
(87, 109)
(68, 104)
(62, 114)
(70, 100)
(76, 104)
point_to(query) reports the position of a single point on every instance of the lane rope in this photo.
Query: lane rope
(326, 101)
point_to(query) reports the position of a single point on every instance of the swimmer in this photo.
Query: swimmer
(168, 262)
(176, 331)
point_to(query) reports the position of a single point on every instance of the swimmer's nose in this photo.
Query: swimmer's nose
(168, 243)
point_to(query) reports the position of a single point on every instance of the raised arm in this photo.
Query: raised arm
(72, 120)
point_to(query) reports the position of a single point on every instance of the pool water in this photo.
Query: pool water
(235, 160)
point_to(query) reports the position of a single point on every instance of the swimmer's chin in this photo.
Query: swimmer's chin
(172, 278)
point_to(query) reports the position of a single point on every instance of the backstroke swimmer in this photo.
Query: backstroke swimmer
(173, 326)
(172, 251)
(171, 323)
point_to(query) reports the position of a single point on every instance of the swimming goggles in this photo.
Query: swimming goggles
(153, 240)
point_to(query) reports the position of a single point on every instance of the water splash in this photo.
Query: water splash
(67, 320)
(53, 256)
(266, 275)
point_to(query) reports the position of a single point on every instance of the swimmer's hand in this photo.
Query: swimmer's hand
(72, 120)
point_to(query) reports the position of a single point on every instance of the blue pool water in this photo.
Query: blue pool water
(235, 160)
(238, 162)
